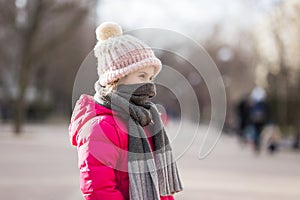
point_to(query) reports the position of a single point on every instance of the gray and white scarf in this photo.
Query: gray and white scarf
(151, 173)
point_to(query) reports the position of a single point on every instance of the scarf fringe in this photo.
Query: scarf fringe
(143, 181)
(169, 182)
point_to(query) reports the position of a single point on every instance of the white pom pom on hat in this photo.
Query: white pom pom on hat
(107, 30)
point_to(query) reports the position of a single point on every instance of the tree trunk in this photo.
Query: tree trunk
(20, 107)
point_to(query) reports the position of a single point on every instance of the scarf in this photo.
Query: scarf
(152, 173)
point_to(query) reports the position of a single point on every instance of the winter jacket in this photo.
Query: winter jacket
(101, 139)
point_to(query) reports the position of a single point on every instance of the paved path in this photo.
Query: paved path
(41, 165)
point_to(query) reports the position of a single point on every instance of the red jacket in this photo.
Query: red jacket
(102, 144)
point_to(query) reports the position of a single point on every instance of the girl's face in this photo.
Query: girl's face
(143, 75)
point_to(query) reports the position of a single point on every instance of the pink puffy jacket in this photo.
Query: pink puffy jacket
(101, 141)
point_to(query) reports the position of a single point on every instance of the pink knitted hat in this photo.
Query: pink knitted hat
(118, 55)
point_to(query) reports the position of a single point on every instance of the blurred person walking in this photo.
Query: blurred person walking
(243, 109)
(258, 115)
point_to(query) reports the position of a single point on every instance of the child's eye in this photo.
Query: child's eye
(143, 76)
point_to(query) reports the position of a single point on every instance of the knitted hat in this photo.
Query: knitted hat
(118, 55)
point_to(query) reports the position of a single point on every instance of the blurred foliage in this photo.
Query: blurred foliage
(38, 110)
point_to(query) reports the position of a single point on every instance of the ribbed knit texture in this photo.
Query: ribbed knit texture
(121, 55)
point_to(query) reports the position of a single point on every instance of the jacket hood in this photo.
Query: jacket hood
(85, 109)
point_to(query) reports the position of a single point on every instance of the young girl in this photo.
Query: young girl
(123, 150)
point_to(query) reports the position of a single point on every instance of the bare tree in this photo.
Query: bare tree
(283, 68)
(30, 23)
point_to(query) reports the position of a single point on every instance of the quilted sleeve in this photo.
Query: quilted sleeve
(98, 155)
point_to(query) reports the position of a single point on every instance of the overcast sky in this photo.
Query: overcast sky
(183, 15)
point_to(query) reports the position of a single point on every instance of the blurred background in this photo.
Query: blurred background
(254, 43)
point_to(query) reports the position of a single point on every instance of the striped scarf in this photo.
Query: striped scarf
(152, 173)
